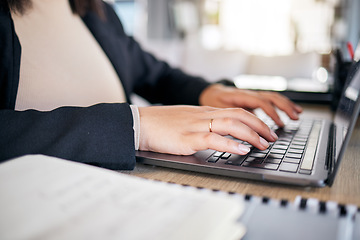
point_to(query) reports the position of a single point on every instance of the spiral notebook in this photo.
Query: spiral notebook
(308, 152)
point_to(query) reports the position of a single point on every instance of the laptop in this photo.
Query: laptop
(307, 153)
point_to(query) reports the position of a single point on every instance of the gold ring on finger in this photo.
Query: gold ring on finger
(210, 124)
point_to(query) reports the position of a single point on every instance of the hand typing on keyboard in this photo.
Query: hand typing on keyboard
(229, 97)
(184, 130)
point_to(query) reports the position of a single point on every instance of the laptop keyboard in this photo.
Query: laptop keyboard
(293, 152)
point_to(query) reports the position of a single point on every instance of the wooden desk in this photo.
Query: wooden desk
(345, 190)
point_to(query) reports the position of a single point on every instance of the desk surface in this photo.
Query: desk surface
(345, 190)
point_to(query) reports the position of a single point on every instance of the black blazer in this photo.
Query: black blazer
(102, 134)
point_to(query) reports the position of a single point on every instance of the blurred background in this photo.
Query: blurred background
(217, 39)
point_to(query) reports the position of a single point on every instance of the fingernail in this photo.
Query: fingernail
(273, 135)
(264, 143)
(242, 149)
(298, 108)
(281, 123)
(296, 115)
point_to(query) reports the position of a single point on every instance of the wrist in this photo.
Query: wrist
(207, 94)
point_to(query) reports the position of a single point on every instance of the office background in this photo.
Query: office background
(224, 38)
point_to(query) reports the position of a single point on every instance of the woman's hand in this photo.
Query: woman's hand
(221, 96)
(184, 130)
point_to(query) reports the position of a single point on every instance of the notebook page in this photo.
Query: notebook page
(48, 198)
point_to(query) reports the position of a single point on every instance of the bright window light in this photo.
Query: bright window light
(276, 27)
(126, 12)
(257, 26)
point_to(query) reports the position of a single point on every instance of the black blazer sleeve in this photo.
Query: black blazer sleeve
(100, 135)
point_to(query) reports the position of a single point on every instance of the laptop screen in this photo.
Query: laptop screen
(347, 111)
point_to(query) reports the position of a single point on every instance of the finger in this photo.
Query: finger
(237, 129)
(270, 110)
(268, 101)
(229, 120)
(284, 104)
(260, 127)
(216, 142)
(256, 100)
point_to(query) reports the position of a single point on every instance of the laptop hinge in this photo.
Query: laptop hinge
(330, 156)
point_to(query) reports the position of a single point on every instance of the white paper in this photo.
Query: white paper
(48, 198)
